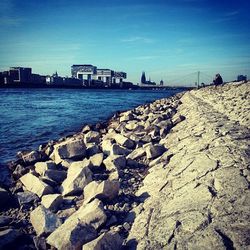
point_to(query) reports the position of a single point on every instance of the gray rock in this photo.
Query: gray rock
(52, 201)
(73, 148)
(116, 149)
(40, 242)
(44, 221)
(20, 171)
(26, 197)
(86, 129)
(31, 157)
(126, 117)
(105, 190)
(124, 141)
(92, 149)
(114, 175)
(41, 167)
(72, 236)
(8, 236)
(106, 146)
(80, 227)
(96, 160)
(56, 175)
(34, 185)
(153, 151)
(109, 240)
(92, 136)
(79, 175)
(115, 162)
(137, 153)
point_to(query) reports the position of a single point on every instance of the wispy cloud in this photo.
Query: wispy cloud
(144, 58)
(137, 39)
(227, 17)
(232, 13)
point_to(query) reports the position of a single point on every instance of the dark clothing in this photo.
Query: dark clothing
(218, 80)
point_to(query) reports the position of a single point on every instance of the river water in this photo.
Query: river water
(30, 117)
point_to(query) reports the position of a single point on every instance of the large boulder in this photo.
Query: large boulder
(116, 149)
(41, 167)
(115, 162)
(55, 175)
(124, 141)
(105, 190)
(35, 185)
(110, 240)
(52, 201)
(73, 148)
(80, 227)
(72, 235)
(44, 221)
(79, 175)
(137, 153)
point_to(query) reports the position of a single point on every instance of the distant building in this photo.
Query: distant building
(91, 75)
(20, 75)
(104, 75)
(56, 80)
(83, 71)
(144, 80)
(119, 77)
(161, 83)
(241, 78)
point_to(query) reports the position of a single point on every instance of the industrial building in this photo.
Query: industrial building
(91, 75)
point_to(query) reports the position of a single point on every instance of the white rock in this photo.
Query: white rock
(106, 146)
(96, 160)
(34, 185)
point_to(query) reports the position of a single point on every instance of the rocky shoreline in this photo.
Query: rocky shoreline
(170, 174)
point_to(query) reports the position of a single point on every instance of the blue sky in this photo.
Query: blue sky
(169, 39)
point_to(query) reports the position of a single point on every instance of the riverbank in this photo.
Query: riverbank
(173, 174)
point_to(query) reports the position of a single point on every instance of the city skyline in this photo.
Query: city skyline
(166, 39)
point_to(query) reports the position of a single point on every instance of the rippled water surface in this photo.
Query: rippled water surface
(29, 117)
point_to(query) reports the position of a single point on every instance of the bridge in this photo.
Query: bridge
(191, 80)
